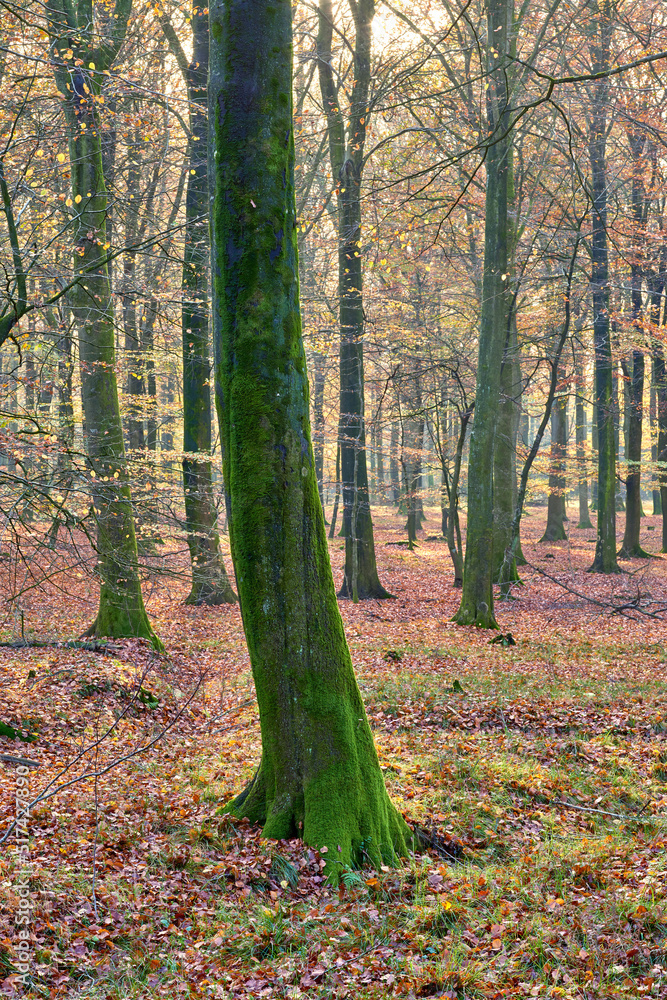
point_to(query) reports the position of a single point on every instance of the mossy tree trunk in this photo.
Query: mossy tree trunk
(605, 549)
(477, 597)
(319, 776)
(121, 609)
(210, 583)
(347, 161)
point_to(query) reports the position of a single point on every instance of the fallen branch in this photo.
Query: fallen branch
(614, 609)
(94, 647)
(7, 758)
(590, 809)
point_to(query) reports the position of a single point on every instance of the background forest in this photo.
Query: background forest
(480, 198)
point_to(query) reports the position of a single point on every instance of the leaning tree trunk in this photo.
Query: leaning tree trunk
(210, 583)
(121, 609)
(319, 776)
(477, 597)
(605, 549)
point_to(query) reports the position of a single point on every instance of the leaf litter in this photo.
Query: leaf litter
(543, 765)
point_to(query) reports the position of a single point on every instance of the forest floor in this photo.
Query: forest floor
(543, 765)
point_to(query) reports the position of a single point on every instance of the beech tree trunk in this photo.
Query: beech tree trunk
(121, 609)
(319, 776)
(634, 380)
(319, 362)
(605, 549)
(580, 438)
(360, 574)
(477, 596)
(504, 453)
(630, 547)
(657, 508)
(210, 583)
(555, 530)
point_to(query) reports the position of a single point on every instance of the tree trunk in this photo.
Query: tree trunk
(134, 382)
(661, 392)
(580, 438)
(605, 549)
(657, 507)
(453, 526)
(634, 380)
(594, 455)
(395, 481)
(121, 609)
(555, 530)
(319, 776)
(210, 583)
(477, 598)
(334, 512)
(656, 287)
(633, 508)
(504, 454)
(347, 166)
(379, 452)
(319, 361)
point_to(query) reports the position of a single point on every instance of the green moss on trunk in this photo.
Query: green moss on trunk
(121, 608)
(476, 606)
(319, 776)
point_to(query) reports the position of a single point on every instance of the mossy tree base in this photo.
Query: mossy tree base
(114, 622)
(637, 552)
(479, 615)
(333, 801)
